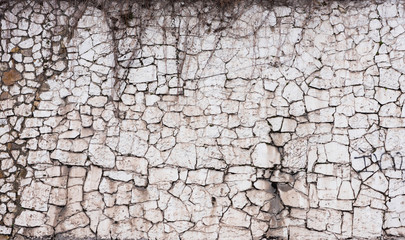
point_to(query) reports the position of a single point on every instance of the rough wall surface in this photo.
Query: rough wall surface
(273, 123)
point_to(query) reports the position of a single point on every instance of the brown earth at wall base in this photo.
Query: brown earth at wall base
(10, 77)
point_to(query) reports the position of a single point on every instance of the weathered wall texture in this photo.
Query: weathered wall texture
(275, 123)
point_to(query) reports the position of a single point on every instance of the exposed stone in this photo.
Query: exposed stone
(129, 143)
(292, 197)
(142, 75)
(292, 92)
(38, 157)
(378, 182)
(231, 232)
(234, 217)
(317, 219)
(119, 175)
(269, 125)
(34, 29)
(289, 125)
(171, 119)
(396, 187)
(197, 177)
(303, 233)
(29, 218)
(337, 153)
(108, 186)
(367, 222)
(138, 165)
(59, 66)
(5, 230)
(101, 155)
(92, 179)
(117, 213)
(58, 196)
(183, 155)
(69, 134)
(384, 95)
(152, 115)
(75, 221)
(312, 103)
(186, 135)
(387, 10)
(395, 140)
(23, 110)
(366, 105)
(157, 175)
(259, 197)
(69, 158)
(98, 101)
(396, 204)
(176, 211)
(389, 78)
(265, 156)
(36, 196)
(154, 156)
(346, 191)
(28, 43)
(295, 154)
(275, 123)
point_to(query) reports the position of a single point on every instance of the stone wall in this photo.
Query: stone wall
(145, 123)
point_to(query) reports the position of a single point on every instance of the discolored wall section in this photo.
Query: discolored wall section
(127, 121)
